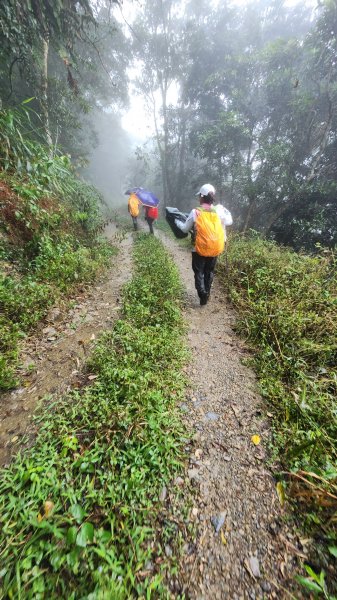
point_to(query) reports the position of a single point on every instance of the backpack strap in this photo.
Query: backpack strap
(202, 209)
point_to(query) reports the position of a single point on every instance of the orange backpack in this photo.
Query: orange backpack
(210, 236)
(133, 205)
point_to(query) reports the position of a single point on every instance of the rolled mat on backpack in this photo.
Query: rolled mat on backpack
(173, 214)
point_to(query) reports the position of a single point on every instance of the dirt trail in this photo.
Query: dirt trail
(252, 554)
(54, 355)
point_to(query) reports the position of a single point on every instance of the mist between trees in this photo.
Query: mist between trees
(255, 111)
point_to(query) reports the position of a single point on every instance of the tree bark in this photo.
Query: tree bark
(44, 92)
(250, 210)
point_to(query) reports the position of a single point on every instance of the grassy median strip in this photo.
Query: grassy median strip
(79, 510)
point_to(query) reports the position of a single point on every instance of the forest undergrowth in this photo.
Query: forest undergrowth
(49, 221)
(80, 510)
(286, 305)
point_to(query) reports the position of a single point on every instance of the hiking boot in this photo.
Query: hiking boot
(203, 299)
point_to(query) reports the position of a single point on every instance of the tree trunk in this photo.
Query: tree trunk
(182, 152)
(277, 213)
(165, 169)
(44, 93)
(248, 215)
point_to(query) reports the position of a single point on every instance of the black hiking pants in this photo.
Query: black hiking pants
(135, 223)
(150, 223)
(203, 268)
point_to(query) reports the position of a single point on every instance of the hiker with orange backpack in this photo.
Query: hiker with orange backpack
(133, 208)
(209, 240)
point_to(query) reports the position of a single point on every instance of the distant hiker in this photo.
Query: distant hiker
(133, 208)
(209, 240)
(151, 214)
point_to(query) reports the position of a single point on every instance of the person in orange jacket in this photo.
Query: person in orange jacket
(133, 208)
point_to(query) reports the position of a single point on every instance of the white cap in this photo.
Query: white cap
(206, 189)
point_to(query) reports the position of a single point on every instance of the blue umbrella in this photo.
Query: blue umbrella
(146, 198)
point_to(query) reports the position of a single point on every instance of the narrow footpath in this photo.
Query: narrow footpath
(244, 549)
(53, 356)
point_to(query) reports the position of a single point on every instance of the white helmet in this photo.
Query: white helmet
(206, 189)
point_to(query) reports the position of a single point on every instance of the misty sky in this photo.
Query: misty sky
(136, 121)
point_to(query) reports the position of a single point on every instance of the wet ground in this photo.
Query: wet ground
(53, 356)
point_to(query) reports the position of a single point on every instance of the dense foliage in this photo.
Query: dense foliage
(256, 112)
(79, 509)
(69, 56)
(287, 306)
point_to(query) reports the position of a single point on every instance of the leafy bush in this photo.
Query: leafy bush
(79, 511)
(36, 174)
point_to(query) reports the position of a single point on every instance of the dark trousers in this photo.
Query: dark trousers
(203, 268)
(150, 223)
(135, 223)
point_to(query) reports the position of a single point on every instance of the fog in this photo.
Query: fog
(228, 93)
(109, 158)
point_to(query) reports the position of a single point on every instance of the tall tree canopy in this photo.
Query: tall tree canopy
(69, 55)
(256, 109)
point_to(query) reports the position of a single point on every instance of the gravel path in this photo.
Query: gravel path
(244, 548)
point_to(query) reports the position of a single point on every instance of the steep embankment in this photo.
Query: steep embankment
(49, 247)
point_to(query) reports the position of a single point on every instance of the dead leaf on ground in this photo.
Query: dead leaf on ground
(280, 492)
(256, 439)
(48, 508)
(248, 569)
(283, 569)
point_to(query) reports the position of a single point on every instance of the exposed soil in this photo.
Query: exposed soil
(253, 552)
(52, 358)
(244, 549)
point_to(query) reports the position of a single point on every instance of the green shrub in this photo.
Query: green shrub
(287, 310)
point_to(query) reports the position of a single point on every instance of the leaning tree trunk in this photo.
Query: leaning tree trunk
(44, 93)
(249, 215)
